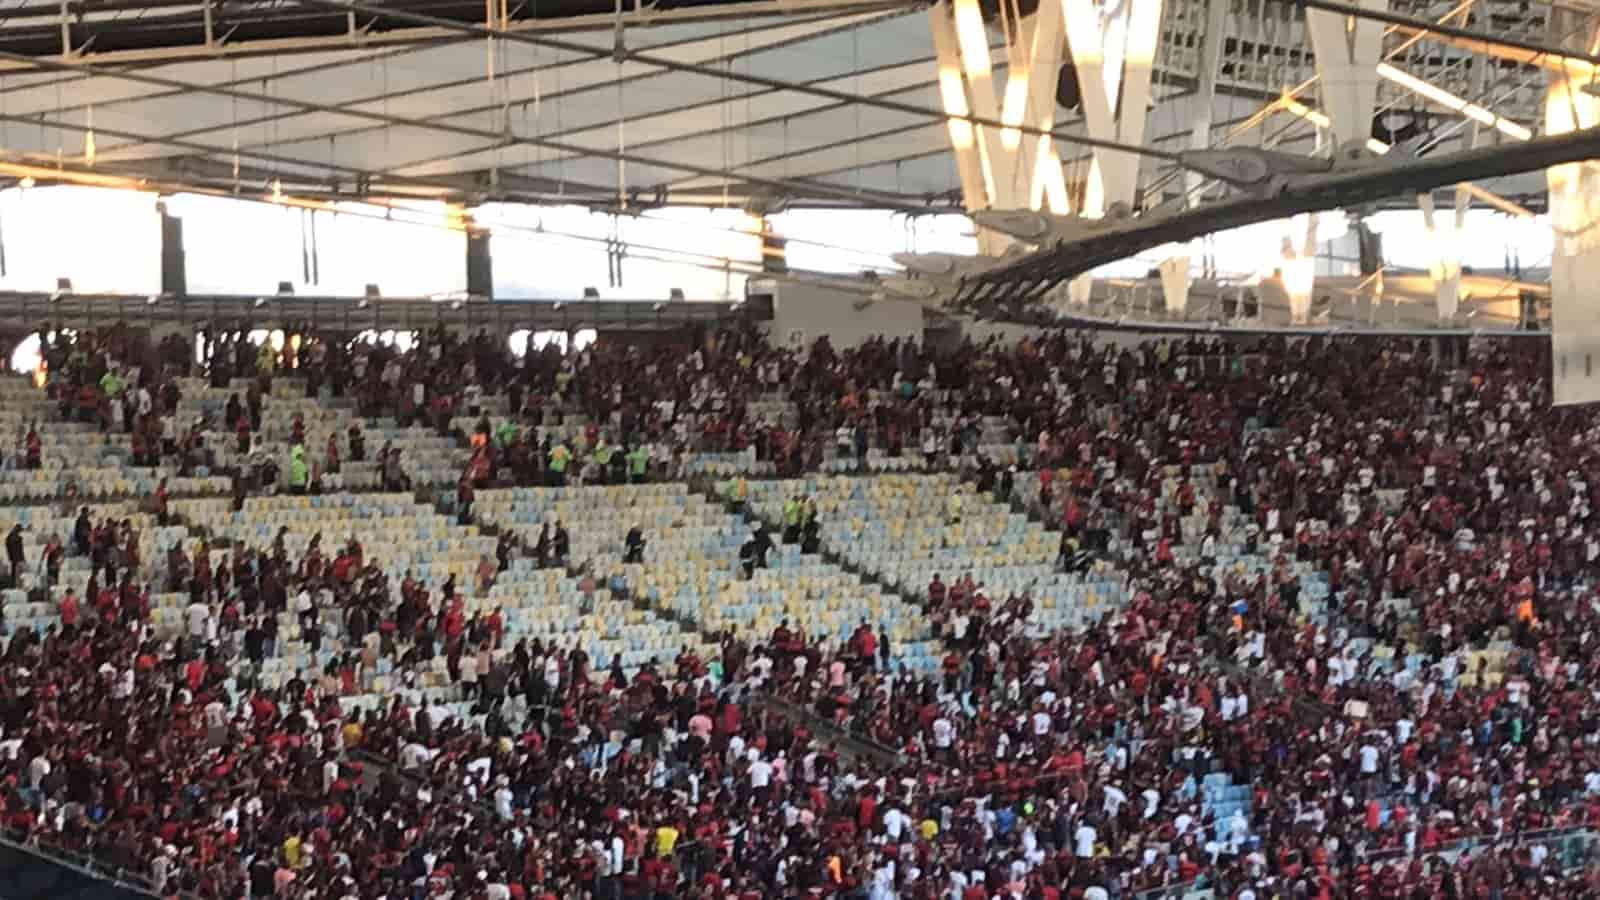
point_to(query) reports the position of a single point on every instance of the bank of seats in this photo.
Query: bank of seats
(905, 528)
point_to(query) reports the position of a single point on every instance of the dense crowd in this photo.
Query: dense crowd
(1447, 504)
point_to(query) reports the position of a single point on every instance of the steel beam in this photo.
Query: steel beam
(1366, 184)
(510, 73)
(342, 172)
(638, 18)
(490, 137)
(612, 123)
(60, 111)
(1475, 38)
(229, 312)
(1561, 61)
(712, 72)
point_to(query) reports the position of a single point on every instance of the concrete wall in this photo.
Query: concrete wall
(802, 313)
(1011, 333)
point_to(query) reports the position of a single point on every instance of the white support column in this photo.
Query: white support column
(1347, 50)
(1001, 168)
(1574, 213)
(1113, 51)
(1175, 284)
(1445, 233)
(1079, 290)
(1206, 93)
(1299, 268)
(953, 94)
(1030, 99)
(1175, 287)
(973, 40)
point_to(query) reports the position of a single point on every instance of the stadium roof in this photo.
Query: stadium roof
(412, 100)
(760, 104)
(765, 102)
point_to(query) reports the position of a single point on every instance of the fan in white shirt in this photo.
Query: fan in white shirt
(1114, 798)
(895, 823)
(760, 771)
(1083, 841)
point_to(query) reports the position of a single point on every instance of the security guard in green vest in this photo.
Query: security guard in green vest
(602, 459)
(792, 509)
(299, 472)
(638, 463)
(560, 456)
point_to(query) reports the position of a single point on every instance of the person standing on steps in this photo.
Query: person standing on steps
(635, 546)
(14, 553)
(747, 557)
(811, 535)
(561, 544)
(358, 444)
(541, 550)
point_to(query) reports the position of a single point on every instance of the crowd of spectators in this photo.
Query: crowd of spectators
(1446, 503)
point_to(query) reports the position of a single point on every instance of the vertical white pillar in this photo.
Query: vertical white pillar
(1079, 289)
(1001, 167)
(1574, 213)
(1445, 233)
(1177, 295)
(1114, 56)
(953, 94)
(1175, 284)
(1030, 99)
(1113, 51)
(1299, 267)
(1347, 50)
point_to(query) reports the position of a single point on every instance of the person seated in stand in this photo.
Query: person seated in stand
(464, 498)
(32, 450)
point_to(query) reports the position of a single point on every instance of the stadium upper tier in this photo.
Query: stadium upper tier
(1196, 619)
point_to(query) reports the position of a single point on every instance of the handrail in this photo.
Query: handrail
(828, 732)
(88, 867)
(354, 314)
(1470, 843)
